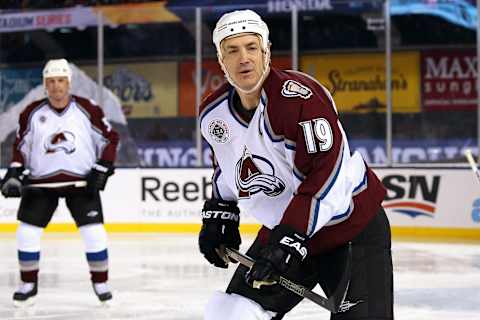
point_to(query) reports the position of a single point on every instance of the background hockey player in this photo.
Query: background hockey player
(61, 139)
(281, 155)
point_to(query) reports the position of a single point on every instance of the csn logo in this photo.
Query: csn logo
(412, 195)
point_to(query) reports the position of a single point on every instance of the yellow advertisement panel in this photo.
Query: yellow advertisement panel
(358, 80)
(145, 89)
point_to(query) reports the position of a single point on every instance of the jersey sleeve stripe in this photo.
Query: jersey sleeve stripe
(298, 174)
(290, 146)
(66, 173)
(362, 186)
(341, 217)
(337, 217)
(330, 181)
(322, 193)
(344, 216)
(312, 221)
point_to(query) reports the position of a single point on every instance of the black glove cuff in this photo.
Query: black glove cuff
(13, 172)
(215, 210)
(221, 205)
(290, 240)
(104, 166)
(16, 172)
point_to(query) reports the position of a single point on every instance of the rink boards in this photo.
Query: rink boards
(421, 202)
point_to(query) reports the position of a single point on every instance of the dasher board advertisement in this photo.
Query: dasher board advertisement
(434, 198)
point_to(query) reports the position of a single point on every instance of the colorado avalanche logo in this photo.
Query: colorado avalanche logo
(219, 131)
(254, 174)
(60, 141)
(293, 88)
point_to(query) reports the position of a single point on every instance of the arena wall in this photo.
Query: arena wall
(421, 202)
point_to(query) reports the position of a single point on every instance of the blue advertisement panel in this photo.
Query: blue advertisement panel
(173, 154)
(182, 154)
(461, 12)
(414, 151)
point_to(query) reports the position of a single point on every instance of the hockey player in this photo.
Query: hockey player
(282, 156)
(61, 140)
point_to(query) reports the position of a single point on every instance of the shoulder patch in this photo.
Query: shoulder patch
(292, 88)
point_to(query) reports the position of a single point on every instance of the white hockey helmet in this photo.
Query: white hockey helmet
(57, 68)
(240, 21)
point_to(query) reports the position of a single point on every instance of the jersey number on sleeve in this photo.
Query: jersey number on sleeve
(317, 129)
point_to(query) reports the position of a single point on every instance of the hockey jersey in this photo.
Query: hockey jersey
(291, 163)
(62, 145)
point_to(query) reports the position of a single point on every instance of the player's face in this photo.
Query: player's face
(243, 59)
(58, 90)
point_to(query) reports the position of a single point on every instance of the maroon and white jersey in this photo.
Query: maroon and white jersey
(62, 145)
(291, 163)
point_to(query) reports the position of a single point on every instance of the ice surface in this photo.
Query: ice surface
(163, 276)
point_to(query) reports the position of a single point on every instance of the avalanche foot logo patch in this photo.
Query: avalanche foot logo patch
(293, 88)
(219, 131)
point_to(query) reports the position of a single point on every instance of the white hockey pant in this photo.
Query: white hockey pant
(222, 306)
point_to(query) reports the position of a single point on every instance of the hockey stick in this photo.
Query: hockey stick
(471, 161)
(332, 304)
(76, 184)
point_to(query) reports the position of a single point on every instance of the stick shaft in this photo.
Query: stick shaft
(473, 164)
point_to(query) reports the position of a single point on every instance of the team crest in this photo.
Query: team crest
(293, 88)
(256, 174)
(219, 131)
(60, 141)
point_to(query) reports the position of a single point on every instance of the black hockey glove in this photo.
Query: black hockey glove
(283, 255)
(220, 229)
(98, 176)
(11, 184)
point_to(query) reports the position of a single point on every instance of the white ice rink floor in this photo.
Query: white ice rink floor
(163, 276)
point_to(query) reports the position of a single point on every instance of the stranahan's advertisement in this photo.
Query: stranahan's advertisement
(358, 80)
(145, 89)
